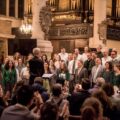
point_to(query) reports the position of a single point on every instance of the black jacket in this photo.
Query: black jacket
(36, 68)
(76, 100)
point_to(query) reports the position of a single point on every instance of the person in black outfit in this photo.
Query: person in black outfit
(77, 98)
(36, 66)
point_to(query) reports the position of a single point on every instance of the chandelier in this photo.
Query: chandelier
(26, 27)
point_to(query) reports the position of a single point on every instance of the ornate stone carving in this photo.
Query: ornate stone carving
(45, 19)
(102, 30)
(70, 31)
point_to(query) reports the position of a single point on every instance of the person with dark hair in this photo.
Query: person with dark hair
(49, 111)
(38, 86)
(108, 73)
(44, 58)
(89, 63)
(105, 101)
(60, 101)
(116, 78)
(36, 66)
(14, 93)
(62, 73)
(80, 72)
(115, 100)
(108, 89)
(9, 76)
(88, 113)
(92, 109)
(77, 98)
(20, 111)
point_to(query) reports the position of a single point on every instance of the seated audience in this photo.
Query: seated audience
(20, 111)
(77, 98)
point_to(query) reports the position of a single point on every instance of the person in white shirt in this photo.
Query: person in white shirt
(72, 66)
(105, 57)
(77, 53)
(84, 55)
(63, 55)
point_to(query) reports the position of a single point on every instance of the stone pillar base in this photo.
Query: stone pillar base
(45, 46)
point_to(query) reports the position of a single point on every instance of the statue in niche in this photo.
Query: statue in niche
(102, 31)
(45, 19)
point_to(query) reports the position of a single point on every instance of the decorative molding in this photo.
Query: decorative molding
(72, 31)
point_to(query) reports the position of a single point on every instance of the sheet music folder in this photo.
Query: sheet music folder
(47, 76)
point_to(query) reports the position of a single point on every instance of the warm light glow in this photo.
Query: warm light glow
(26, 28)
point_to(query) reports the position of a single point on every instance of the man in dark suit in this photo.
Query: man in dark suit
(80, 72)
(36, 66)
(78, 97)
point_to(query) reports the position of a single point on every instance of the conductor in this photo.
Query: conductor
(36, 66)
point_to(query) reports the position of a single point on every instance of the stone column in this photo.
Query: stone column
(7, 8)
(16, 8)
(37, 32)
(99, 16)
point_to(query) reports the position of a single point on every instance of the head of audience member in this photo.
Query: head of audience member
(98, 61)
(49, 111)
(9, 65)
(80, 63)
(63, 50)
(99, 48)
(88, 113)
(113, 54)
(18, 85)
(116, 68)
(76, 51)
(100, 81)
(92, 109)
(105, 52)
(101, 95)
(86, 49)
(36, 52)
(25, 95)
(108, 89)
(109, 66)
(85, 84)
(57, 90)
(77, 87)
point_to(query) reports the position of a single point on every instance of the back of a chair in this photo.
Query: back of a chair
(74, 117)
